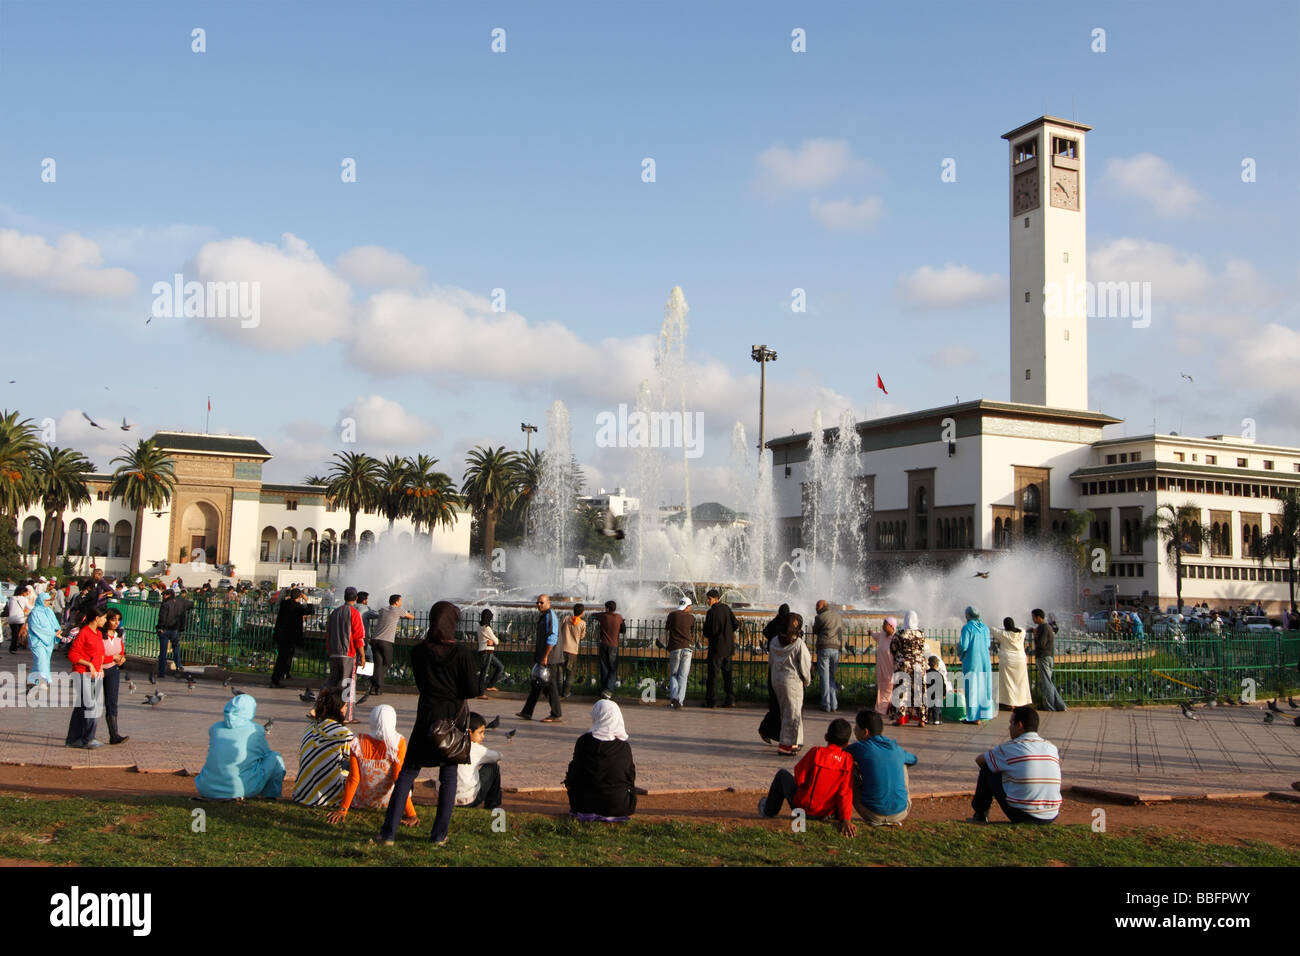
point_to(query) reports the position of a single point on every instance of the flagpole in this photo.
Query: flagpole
(207, 418)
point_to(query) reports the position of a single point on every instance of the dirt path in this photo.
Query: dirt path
(1231, 821)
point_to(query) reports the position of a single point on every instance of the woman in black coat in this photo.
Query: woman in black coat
(289, 618)
(602, 777)
(446, 672)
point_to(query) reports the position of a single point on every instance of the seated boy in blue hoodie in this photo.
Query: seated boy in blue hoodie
(880, 773)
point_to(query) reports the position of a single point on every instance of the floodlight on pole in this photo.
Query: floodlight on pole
(528, 435)
(762, 355)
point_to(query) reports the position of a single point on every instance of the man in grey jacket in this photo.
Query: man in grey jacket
(828, 628)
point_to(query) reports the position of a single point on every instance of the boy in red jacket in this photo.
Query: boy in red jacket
(822, 782)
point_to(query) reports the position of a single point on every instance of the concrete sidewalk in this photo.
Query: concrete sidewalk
(1145, 750)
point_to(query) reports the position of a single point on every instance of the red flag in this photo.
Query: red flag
(210, 399)
(880, 384)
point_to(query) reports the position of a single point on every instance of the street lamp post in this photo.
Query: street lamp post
(762, 355)
(528, 435)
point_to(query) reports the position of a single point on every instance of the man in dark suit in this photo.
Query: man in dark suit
(720, 631)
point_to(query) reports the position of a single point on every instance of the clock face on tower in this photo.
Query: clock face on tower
(1065, 188)
(1024, 192)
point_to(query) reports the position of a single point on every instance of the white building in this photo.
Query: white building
(616, 501)
(221, 513)
(982, 476)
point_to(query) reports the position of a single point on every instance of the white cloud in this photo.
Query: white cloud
(1150, 178)
(174, 240)
(1265, 356)
(382, 421)
(817, 163)
(953, 356)
(302, 301)
(74, 265)
(380, 268)
(1174, 276)
(844, 215)
(951, 287)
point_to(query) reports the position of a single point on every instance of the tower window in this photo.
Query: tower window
(1026, 222)
(1067, 335)
(1026, 375)
(1068, 148)
(1026, 296)
(1066, 256)
(1026, 150)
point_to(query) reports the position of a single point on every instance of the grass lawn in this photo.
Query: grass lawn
(156, 831)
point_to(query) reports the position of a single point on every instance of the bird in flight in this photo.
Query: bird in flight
(127, 427)
(1188, 377)
(981, 574)
(93, 423)
(609, 530)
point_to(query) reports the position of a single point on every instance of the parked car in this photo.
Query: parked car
(1097, 622)
(1259, 624)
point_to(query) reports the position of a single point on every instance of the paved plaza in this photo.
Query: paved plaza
(1143, 750)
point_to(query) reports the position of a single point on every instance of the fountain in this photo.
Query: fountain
(556, 492)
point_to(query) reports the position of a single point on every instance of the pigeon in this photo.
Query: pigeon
(1272, 705)
(307, 696)
(981, 574)
(148, 320)
(1188, 377)
(1292, 704)
(130, 685)
(510, 735)
(153, 700)
(1269, 717)
(152, 679)
(189, 681)
(125, 426)
(269, 722)
(226, 682)
(235, 691)
(494, 723)
(1187, 712)
(609, 530)
(93, 423)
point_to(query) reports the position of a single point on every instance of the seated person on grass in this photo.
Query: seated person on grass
(478, 783)
(240, 762)
(602, 777)
(880, 785)
(822, 782)
(374, 762)
(1023, 775)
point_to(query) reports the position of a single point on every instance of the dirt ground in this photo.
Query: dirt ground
(1230, 821)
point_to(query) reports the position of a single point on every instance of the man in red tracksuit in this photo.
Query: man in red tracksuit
(345, 640)
(822, 782)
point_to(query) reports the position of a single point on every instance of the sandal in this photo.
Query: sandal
(552, 720)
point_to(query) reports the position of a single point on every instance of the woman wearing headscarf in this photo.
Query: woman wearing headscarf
(770, 726)
(976, 669)
(602, 777)
(447, 675)
(240, 762)
(1013, 666)
(373, 765)
(885, 665)
(790, 667)
(909, 653)
(42, 635)
(323, 758)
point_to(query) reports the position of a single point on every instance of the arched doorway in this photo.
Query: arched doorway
(200, 530)
(1031, 506)
(31, 538)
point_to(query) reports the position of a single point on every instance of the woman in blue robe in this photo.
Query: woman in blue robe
(976, 669)
(42, 635)
(240, 762)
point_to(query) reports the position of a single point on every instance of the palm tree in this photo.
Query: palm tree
(394, 481)
(1073, 539)
(489, 488)
(61, 475)
(528, 479)
(353, 483)
(1179, 530)
(18, 444)
(1283, 538)
(145, 478)
(314, 480)
(433, 494)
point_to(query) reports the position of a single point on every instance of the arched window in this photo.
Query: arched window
(922, 518)
(31, 536)
(289, 545)
(345, 546)
(367, 541)
(1031, 504)
(122, 539)
(99, 539)
(77, 537)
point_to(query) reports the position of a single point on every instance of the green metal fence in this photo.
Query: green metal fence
(1088, 669)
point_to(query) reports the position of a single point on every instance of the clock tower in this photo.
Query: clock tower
(1049, 322)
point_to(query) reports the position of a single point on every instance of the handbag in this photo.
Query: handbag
(451, 736)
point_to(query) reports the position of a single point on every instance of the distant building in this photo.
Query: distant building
(221, 513)
(616, 501)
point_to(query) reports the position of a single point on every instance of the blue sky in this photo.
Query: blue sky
(522, 171)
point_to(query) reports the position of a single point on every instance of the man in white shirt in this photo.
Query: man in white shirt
(1023, 775)
(478, 783)
(20, 605)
